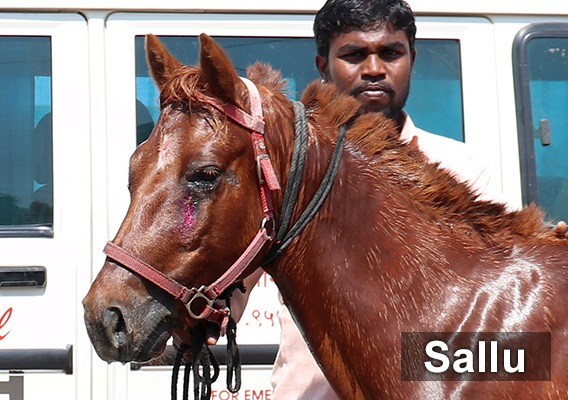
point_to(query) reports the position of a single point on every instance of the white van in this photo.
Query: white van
(76, 99)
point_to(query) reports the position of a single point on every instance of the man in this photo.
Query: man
(366, 48)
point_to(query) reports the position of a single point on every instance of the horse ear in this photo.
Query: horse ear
(219, 73)
(160, 61)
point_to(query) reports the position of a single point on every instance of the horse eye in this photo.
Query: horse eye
(206, 174)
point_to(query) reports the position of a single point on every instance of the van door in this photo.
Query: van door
(45, 246)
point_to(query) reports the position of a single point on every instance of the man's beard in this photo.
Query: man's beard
(393, 110)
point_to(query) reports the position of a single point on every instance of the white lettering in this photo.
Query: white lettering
(464, 360)
(493, 356)
(520, 361)
(467, 361)
(481, 356)
(437, 356)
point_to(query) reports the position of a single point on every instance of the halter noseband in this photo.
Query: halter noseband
(268, 183)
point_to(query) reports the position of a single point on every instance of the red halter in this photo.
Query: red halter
(268, 183)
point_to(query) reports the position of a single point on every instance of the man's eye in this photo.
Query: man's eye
(356, 55)
(390, 54)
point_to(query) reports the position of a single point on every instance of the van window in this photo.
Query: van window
(435, 101)
(542, 103)
(26, 171)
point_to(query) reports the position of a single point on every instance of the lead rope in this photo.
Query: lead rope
(204, 361)
(314, 205)
(233, 355)
(175, 372)
(203, 364)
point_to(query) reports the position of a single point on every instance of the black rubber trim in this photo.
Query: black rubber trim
(251, 354)
(16, 360)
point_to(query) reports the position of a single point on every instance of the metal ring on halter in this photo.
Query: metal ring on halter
(201, 295)
(268, 225)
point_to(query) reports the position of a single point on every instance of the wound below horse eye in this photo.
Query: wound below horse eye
(189, 216)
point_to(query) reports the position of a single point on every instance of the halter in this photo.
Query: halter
(268, 183)
(276, 243)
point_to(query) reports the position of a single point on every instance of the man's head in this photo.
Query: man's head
(366, 47)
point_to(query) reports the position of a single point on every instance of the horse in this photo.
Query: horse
(398, 245)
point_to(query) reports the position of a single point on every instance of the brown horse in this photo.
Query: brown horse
(398, 246)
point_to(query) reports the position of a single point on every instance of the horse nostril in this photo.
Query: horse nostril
(116, 327)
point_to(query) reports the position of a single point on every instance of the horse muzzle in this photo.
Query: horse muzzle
(126, 325)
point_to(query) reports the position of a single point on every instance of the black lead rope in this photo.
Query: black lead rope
(284, 237)
(296, 172)
(233, 355)
(175, 372)
(203, 364)
(204, 367)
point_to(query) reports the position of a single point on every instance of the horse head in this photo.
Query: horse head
(185, 183)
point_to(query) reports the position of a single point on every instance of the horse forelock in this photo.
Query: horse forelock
(181, 85)
(187, 88)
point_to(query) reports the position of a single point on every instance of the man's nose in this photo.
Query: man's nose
(373, 66)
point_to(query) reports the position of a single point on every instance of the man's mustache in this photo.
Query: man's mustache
(382, 86)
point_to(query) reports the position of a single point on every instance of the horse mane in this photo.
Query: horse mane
(418, 182)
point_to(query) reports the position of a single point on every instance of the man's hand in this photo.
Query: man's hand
(561, 229)
(238, 303)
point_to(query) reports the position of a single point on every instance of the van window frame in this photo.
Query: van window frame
(525, 123)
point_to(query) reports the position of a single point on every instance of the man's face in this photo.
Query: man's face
(373, 65)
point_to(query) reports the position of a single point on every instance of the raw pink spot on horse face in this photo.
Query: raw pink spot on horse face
(189, 217)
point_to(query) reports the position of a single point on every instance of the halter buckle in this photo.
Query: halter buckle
(200, 295)
(259, 171)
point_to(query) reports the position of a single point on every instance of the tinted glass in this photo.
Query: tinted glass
(26, 177)
(548, 71)
(435, 101)
(293, 57)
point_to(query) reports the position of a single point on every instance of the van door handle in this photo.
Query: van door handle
(23, 276)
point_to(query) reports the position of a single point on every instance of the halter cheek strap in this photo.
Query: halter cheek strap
(255, 123)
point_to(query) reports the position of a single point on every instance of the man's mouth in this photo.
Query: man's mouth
(376, 88)
(375, 91)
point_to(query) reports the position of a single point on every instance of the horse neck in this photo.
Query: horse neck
(362, 230)
(321, 267)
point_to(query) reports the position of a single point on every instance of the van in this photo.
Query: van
(76, 99)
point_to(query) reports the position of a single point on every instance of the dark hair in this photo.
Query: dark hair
(337, 16)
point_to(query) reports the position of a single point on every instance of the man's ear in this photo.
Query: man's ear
(321, 64)
(413, 57)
